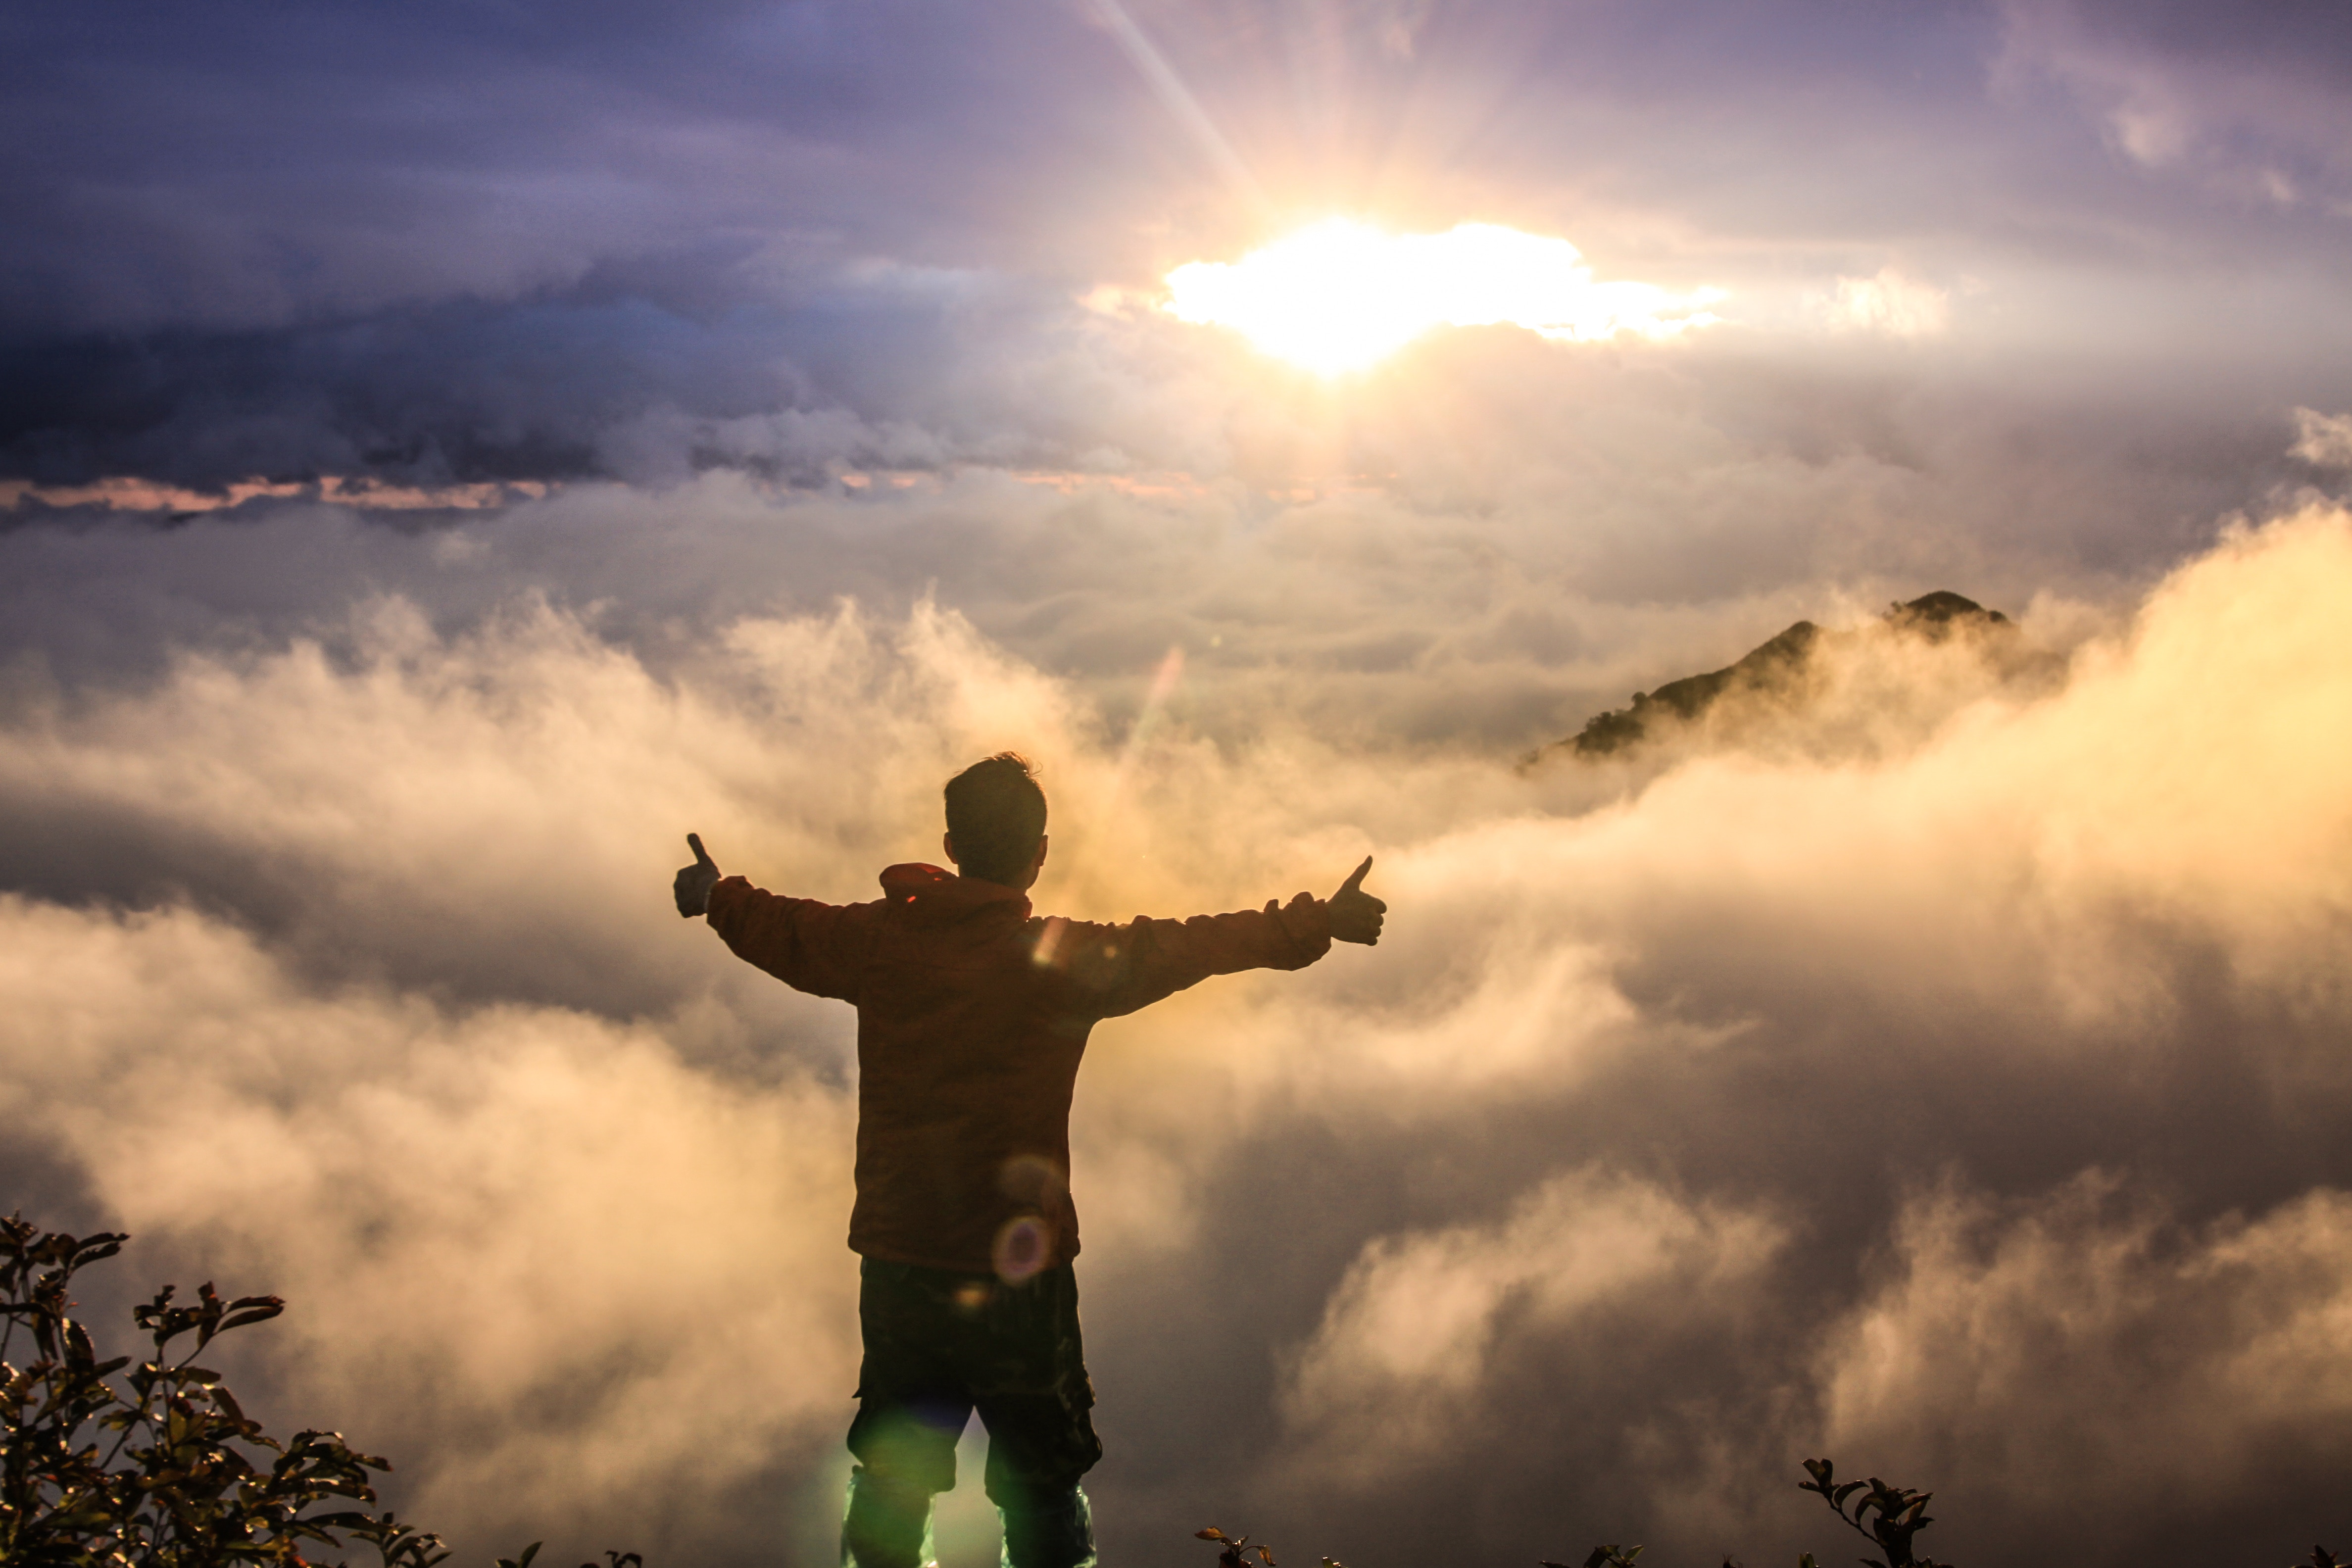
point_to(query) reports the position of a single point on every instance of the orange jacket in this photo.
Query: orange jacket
(971, 1016)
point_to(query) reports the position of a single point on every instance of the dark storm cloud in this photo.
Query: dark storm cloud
(469, 244)
(255, 167)
(461, 393)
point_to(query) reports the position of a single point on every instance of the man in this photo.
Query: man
(971, 1016)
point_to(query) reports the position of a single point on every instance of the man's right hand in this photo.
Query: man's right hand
(694, 882)
(1355, 913)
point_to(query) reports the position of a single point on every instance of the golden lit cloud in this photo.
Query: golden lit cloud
(1341, 295)
(446, 1071)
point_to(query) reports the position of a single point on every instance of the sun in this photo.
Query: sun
(1341, 295)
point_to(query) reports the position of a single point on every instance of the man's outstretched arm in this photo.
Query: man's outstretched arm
(811, 946)
(1131, 966)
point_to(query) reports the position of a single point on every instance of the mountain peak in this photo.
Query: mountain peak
(1779, 668)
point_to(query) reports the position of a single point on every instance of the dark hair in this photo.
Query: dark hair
(996, 814)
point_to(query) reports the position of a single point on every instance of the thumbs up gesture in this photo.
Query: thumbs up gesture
(1355, 913)
(694, 882)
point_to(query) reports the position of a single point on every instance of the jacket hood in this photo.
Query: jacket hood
(930, 896)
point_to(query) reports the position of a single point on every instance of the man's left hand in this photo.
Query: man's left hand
(1355, 913)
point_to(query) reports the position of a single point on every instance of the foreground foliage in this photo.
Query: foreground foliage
(1232, 1555)
(164, 1470)
(1887, 1516)
(105, 1463)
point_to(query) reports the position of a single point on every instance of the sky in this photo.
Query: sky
(449, 452)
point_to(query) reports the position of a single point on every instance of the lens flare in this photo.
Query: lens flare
(1341, 295)
(1164, 681)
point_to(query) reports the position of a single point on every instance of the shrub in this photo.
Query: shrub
(107, 1463)
(1886, 1516)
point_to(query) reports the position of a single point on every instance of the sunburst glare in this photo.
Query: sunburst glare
(1341, 295)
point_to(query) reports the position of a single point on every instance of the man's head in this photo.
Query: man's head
(996, 821)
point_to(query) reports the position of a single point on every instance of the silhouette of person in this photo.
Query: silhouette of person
(972, 1014)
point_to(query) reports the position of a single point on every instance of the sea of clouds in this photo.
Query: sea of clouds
(1959, 1099)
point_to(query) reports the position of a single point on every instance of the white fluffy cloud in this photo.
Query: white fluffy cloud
(2323, 440)
(2087, 1356)
(1421, 1325)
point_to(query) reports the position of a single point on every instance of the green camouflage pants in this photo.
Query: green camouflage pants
(940, 1346)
